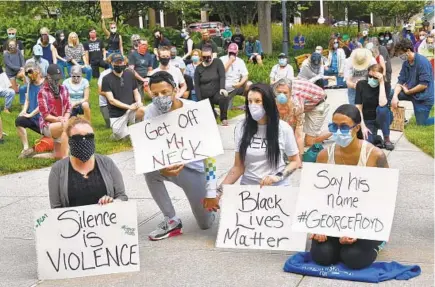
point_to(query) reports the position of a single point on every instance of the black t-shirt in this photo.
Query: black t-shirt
(122, 89)
(19, 43)
(140, 62)
(85, 191)
(189, 83)
(161, 43)
(368, 97)
(347, 51)
(113, 42)
(95, 49)
(210, 42)
(60, 47)
(239, 39)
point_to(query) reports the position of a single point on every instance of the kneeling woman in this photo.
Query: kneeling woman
(84, 178)
(261, 141)
(371, 100)
(349, 149)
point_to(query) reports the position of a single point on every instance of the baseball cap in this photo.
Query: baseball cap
(282, 55)
(37, 50)
(345, 37)
(117, 57)
(233, 48)
(54, 72)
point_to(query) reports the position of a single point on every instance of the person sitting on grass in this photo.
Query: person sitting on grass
(14, 63)
(29, 116)
(349, 149)
(78, 89)
(55, 108)
(207, 41)
(371, 100)
(2, 140)
(282, 70)
(197, 179)
(312, 70)
(415, 83)
(121, 91)
(190, 70)
(254, 51)
(102, 100)
(84, 178)
(299, 42)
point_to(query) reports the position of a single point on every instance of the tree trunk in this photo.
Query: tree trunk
(265, 26)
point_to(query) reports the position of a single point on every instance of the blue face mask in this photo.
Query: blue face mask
(342, 140)
(281, 98)
(282, 62)
(373, 82)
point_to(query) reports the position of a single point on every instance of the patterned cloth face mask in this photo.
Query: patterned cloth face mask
(82, 146)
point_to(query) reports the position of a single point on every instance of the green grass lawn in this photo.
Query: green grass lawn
(421, 136)
(10, 150)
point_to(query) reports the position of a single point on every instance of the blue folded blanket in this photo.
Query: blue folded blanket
(301, 263)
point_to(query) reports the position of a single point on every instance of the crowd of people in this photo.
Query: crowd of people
(287, 114)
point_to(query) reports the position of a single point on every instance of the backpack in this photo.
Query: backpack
(44, 144)
(311, 154)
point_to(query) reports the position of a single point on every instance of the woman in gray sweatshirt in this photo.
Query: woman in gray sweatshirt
(84, 177)
(14, 62)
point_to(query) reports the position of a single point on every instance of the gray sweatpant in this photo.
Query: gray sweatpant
(193, 184)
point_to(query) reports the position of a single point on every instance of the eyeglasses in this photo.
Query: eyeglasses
(29, 72)
(344, 129)
(11, 34)
(76, 77)
(88, 136)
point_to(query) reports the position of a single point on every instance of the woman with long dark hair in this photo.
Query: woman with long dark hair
(261, 140)
(349, 149)
(60, 44)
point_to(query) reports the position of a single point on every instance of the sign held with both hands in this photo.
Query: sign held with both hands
(87, 240)
(185, 135)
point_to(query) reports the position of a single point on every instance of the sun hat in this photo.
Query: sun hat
(361, 58)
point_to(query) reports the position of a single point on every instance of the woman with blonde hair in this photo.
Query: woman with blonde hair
(336, 60)
(75, 55)
(49, 52)
(14, 63)
(114, 39)
(190, 69)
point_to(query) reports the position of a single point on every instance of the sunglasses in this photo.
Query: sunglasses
(11, 34)
(344, 129)
(29, 72)
(76, 77)
(88, 136)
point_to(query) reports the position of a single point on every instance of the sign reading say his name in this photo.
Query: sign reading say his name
(185, 135)
(87, 240)
(254, 218)
(342, 200)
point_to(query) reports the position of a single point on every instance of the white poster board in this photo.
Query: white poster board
(185, 135)
(342, 200)
(86, 241)
(254, 218)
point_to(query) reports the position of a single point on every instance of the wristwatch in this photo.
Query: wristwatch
(280, 175)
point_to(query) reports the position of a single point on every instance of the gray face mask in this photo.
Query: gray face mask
(163, 103)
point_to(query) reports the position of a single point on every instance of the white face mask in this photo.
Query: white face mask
(422, 38)
(257, 111)
(113, 30)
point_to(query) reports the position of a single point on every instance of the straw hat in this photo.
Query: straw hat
(361, 58)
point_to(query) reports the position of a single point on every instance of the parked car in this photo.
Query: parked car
(210, 26)
(353, 23)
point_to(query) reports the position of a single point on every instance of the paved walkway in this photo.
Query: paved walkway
(192, 259)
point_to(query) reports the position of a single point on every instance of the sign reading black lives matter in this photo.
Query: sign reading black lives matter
(254, 218)
(341, 200)
(87, 240)
(185, 135)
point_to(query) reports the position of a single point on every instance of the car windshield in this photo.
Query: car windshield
(193, 26)
(205, 26)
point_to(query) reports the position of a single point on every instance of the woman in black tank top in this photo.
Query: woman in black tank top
(114, 43)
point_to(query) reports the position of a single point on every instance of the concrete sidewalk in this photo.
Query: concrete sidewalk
(192, 259)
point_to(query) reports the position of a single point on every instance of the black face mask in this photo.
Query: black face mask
(119, 69)
(82, 146)
(164, 61)
(232, 54)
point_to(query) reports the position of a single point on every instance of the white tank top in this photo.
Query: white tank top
(363, 157)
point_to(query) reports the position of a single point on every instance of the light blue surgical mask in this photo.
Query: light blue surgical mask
(195, 59)
(373, 82)
(282, 62)
(257, 111)
(342, 140)
(281, 98)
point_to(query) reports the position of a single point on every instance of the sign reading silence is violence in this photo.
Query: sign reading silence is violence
(87, 240)
(185, 135)
(352, 201)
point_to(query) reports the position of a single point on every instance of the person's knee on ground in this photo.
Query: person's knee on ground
(259, 60)
(355, 257)
(325, 253)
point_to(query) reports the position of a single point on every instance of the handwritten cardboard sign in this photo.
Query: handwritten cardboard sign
(87, 240)
(254, 218)
(342, 200)
(106, 9)
(185, 135)
(398, 123)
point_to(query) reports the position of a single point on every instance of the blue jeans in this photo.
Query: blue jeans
(384, 118)
(87, 70)
(334, 72)
(421, 111)
(9, 95)
(62, 65)
(351, 93)
(111, 52)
